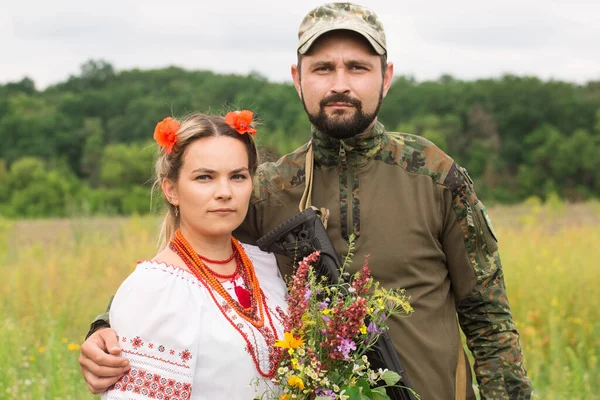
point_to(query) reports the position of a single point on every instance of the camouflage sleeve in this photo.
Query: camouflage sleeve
(483, 310)
(101, 321)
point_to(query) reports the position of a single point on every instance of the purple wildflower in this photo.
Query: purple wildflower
(308, 293)
(325, 393)
(345, 347)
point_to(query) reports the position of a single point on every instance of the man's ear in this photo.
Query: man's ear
(169, 188)
(388, 77)
(296, 78)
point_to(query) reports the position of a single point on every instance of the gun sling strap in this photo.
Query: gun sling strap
(305, 201)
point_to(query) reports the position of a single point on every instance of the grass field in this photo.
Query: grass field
(58, 274)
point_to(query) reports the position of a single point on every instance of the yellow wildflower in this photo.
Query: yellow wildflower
(73, 347)
(294, 363)
(284, 397)
(363, 329)
(326, 311)
(31, 358)
(295, 381)
(42, 349)
(289, 341)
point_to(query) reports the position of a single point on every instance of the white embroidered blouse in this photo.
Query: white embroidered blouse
(179, 343)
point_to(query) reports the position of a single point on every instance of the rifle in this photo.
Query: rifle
(300, 236)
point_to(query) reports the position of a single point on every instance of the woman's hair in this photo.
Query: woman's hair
(168, 165)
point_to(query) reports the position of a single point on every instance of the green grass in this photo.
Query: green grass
(57, 275)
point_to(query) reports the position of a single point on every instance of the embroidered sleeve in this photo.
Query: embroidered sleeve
(150, 314)
(483, 310)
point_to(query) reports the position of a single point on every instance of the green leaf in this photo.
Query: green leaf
(364, 387)
(358, 393)
(390, 377)
(379, 394)
(353, 393)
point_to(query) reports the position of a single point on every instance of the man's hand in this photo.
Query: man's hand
(100, 362)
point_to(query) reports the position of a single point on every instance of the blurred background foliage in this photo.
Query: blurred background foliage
(84, 146)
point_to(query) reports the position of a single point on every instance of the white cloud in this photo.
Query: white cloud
(48, 41)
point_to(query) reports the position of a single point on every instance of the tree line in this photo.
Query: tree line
(84, 146)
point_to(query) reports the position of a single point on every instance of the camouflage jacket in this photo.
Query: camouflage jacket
(414, 211)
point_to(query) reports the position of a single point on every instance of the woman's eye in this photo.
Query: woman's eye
(239, 177)
(203, 177)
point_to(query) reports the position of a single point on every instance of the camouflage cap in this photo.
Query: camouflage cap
(336, 16)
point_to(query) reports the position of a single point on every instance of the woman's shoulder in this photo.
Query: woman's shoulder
(156, 292)
(154, 278)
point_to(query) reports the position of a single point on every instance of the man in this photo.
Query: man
(410, 206)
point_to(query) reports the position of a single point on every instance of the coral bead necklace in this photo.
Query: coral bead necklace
(222, 262)
(251, 304)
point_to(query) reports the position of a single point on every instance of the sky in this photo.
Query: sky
(48, 41)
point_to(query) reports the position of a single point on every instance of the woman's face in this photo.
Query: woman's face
(214, 186)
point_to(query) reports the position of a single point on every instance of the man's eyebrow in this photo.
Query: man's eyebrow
(359, 63)
(318, 64)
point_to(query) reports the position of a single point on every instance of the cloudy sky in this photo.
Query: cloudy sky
(49, 40)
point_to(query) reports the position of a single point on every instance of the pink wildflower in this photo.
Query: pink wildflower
(298, 296)
(362, 282)
(345, 325)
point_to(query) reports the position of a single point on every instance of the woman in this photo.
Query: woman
(200, 319)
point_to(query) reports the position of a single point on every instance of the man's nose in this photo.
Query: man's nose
(340, 82)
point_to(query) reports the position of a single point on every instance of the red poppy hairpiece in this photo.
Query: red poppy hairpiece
(240, 121)
(165, 133)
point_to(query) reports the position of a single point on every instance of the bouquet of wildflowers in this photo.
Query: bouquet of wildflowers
(329, 328)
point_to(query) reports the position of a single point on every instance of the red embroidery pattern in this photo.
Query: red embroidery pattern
(185, 355)
(153, 386)
(156, 358)
(137, 344)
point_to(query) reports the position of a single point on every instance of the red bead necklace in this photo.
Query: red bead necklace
(206, 259)
(223, 276)
(253, 311)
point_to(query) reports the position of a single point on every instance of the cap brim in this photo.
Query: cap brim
(304, 47)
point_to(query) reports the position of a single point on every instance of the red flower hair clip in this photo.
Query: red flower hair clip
(240, 121)
(165, 133)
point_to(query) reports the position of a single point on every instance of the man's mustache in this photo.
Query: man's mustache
(340, 98)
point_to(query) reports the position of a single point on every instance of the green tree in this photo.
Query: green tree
(92, 150)
(36, 191)
(124, 165)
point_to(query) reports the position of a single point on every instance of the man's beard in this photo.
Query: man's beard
(345, 126)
